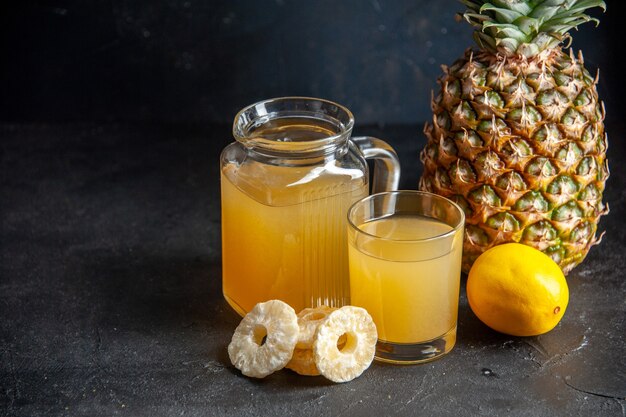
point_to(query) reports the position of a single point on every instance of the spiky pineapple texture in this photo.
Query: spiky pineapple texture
(518, 141)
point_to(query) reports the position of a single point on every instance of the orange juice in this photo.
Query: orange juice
(285, 237)
(406, 280)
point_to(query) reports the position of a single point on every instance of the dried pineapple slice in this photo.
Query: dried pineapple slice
(265, 339)
(308, 320)
(344, 363)
(303, 362)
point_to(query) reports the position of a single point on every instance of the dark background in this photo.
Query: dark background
(196, 61)
(112, 117)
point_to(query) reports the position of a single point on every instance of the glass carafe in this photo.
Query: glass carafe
(287, 183)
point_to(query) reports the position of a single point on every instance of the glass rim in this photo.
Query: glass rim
(455, 229)
(241, 130)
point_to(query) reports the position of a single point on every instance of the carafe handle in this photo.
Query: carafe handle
(386, 162)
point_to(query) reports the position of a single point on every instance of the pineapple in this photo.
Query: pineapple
(517, 137)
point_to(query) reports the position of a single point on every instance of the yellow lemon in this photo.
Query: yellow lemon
(517, 290)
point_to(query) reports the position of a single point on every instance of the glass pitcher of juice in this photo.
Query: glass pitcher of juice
(287, 183)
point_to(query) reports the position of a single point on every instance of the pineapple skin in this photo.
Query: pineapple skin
(519, 144)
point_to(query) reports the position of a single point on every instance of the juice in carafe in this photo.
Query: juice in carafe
(285, 237)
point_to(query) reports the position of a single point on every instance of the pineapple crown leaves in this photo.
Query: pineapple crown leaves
(525, 27)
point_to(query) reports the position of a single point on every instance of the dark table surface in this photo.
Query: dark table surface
(110, 295)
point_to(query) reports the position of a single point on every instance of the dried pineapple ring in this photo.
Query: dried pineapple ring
(355, 356)
(265, 339)
(308, 320)
(303, 362)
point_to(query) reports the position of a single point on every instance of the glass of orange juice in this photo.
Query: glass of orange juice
(405, 267)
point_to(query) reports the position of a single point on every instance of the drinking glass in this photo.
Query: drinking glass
(405, 266)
